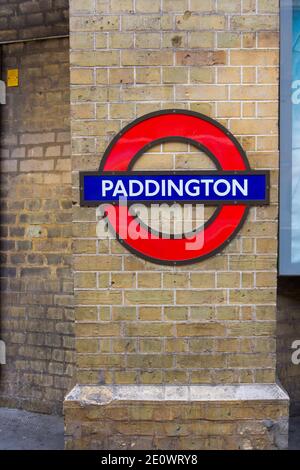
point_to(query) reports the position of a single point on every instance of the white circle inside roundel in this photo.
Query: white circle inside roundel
(177, 219)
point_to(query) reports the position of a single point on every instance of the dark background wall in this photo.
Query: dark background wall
(27, 19)
(36, 318)
(288, 331)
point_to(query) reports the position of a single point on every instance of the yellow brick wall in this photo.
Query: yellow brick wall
(214, 321)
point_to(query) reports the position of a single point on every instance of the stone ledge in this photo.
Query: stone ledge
(247, 416)
(102, 395)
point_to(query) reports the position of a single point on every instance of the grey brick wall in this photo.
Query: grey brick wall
(36, 319)
(27, 19)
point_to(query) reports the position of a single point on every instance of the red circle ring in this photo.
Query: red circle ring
(206, 134)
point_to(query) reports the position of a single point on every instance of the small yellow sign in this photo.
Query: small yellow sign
(12, 77)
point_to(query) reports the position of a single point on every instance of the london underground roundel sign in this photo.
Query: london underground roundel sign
(233, 187)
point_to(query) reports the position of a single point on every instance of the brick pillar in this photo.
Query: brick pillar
(175, 357)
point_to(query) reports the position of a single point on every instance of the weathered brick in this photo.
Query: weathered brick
(200, 329)
(98, 297)
(254, 22)
(254, 57)
(149, 329)
(191, 22)
(200, 297)
(192, 58)
(94, 23)
(137, 57)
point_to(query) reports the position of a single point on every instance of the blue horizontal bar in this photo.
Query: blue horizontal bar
(156, 187)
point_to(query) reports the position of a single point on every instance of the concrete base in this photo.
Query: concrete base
(21, 430)
(248, 416)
